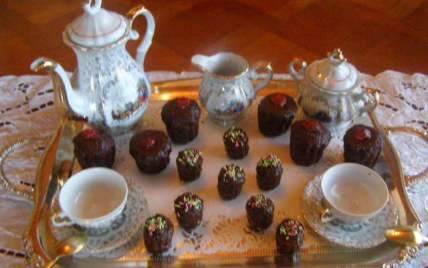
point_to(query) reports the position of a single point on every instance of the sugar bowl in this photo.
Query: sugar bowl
(329, 91)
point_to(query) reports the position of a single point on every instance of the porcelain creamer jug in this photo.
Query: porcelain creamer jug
(226, 90)
(329, 91)
(108, 88)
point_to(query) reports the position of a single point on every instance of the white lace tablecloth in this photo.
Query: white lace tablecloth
(27, 110)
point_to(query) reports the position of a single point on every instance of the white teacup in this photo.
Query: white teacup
(352, 193)
(92, 198)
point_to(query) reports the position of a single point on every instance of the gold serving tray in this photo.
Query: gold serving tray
(57, 165)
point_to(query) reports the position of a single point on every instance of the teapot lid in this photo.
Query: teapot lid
(97, 27)
(334, 73)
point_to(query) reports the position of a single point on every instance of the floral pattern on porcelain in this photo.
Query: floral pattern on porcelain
(226, 99)
(119, 232)
(360, 235)
(115, 87)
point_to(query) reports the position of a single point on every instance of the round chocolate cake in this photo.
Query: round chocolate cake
(158, 231)
(275, 113)
(189, 209)
(94, 148)
(230, 181)
(189, 164)
(150, 149)
(289, 236)
(260, 210)
(307, 141)
(269, 172)
(236, 143)
(363, 145)
(181, 117)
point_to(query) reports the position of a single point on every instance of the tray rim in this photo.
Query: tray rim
(36, 253)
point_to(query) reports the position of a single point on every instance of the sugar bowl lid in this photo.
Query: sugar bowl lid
(333, 73)
(97, 27)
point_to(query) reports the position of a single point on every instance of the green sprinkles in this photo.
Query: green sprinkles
(258, 201)
(235, 136)
(270, 161)
(189, 156)
(155, 223)
(191, 201)
(232, 172)
(290, 228)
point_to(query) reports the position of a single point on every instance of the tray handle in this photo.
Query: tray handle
(394, 164)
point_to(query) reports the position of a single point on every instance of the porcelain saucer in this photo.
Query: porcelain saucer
(360, 235)
(121, 231)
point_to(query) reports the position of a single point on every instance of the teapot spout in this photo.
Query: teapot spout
(69, 102)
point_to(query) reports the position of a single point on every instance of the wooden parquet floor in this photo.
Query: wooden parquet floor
(374, 35)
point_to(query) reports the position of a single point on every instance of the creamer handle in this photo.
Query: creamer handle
(147, 40)
(268, 67)
(296, 76)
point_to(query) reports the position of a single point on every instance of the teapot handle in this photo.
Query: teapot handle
(296, 76)
(372, 93)
(147, 40)
(268, 67)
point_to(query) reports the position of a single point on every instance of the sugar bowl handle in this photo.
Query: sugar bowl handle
(260, 65)
(372, 94)
(297, 74)
(147, 40)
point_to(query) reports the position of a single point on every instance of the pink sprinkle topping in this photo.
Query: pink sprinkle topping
(278, 99)
(91, 134)
(311, 126)
(362, 134)
(183, 102)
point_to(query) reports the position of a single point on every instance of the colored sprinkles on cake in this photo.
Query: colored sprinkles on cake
(291, 228)
(190, 156)
(155, 223)
(189, 201)
(232, 172)
(236, 136)
(91, 134)
(258, 201)
(270, 161)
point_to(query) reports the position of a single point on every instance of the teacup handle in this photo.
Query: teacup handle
(373, 93)
(65, 220)
(264, 65)
(326, 215)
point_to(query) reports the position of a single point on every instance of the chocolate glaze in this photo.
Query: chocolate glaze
(236, 146)
(188, 171)
(229, 186)
(260, 210)
(275, 117)
(307, 145)
(159, 240)
(365, 150)
(94, 148)
(181, 117)
(150, 149)
(189, 209)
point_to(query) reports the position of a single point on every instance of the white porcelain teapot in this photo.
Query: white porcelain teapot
(329, 91)
(108, 88)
